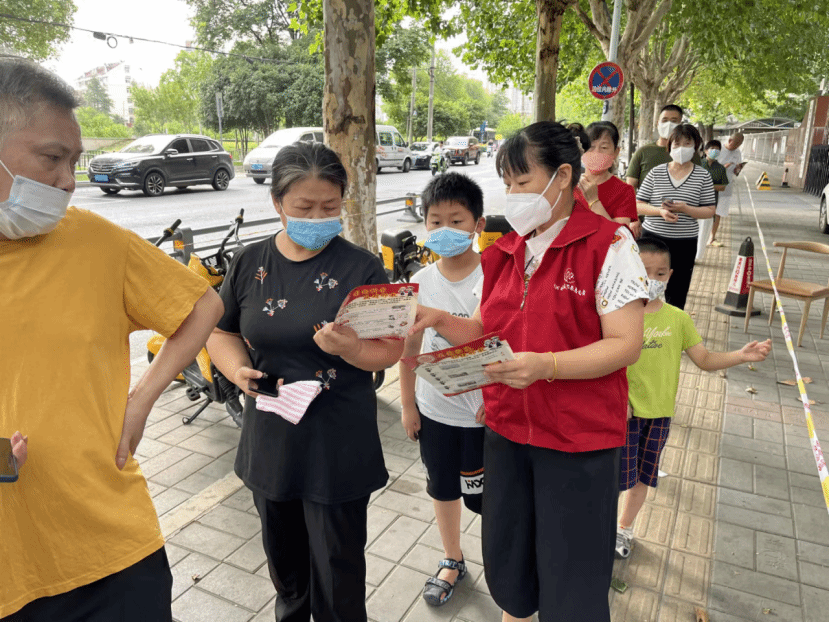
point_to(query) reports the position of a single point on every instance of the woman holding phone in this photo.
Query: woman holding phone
(311, 481)
(672, 198)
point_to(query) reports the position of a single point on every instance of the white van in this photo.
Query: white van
(259, 161)
(391, 150)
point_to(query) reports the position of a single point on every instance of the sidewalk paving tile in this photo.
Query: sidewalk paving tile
(393, 598)
(197, 605)
(169, 499)
(635, 604)
(645, 567)
(775, 555)
(811, 523)
(238, 587)
(250, 556)
(813, 575)
(688, 577)
(233, 521)
(755, 502)
(746, 607)
(755, 520)
(398, 538)
(377, 569)
(194, 565)
(734, 545)
(815, 601)
(208, 541)
(755, 583)
(182, 469)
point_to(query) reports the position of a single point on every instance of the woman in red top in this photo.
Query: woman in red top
(606, 194)
(566, 291)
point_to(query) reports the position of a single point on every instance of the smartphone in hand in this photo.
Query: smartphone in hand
(266, 386)
(8, 464)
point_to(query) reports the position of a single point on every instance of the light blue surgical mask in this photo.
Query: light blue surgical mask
(713, 153)
(32, 208)
(448, 241)
(312, 233)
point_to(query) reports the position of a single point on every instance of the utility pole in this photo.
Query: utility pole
(612, 55)
(411, 123)
(431, 92)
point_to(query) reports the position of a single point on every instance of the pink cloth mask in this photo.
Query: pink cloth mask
(597, 162)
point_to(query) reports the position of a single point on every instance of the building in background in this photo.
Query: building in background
(116, 79)
(520, 102)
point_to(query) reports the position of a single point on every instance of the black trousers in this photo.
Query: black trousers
(548, 529)
(683, 251)
(315, 558)
(141, 592)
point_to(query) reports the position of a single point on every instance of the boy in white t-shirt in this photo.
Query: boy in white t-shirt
(451, 439)
(653, 382)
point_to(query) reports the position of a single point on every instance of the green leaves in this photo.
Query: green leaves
(36, 41)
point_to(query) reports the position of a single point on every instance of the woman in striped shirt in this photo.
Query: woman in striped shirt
(672, 198)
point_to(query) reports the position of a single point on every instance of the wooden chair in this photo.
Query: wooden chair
(801, 290)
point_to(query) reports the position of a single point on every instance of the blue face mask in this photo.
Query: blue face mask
(312, 233)
(449, 242)
(714, 153)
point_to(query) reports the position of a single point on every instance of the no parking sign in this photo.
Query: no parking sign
(605, 81)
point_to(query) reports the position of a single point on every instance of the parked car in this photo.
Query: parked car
(260, 160)
(391, 150)
(155, 161)
(463, 149)
(421, 154)
(822, 210)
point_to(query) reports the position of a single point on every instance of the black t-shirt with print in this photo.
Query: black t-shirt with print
(333, 454)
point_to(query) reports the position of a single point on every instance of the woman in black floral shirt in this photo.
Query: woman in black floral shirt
(311, 481)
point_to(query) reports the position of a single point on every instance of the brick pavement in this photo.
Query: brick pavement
(738, 525)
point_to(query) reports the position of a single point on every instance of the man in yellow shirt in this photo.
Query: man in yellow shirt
(80, 537)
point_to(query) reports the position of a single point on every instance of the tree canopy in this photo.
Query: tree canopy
(95, 96)
(460, 103)
(36, 41)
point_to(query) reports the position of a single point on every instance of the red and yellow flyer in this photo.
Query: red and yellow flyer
(460, 369)
(379, 311)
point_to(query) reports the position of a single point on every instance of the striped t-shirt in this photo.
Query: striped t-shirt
(696, 190)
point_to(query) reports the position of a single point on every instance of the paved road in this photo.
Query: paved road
(201, 206)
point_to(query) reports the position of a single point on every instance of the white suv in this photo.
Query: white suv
(260, 160)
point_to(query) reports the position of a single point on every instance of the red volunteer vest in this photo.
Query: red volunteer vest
(559, 313)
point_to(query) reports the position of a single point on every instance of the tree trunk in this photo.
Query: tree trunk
(349, 109)
(549, 17)
(646, 123)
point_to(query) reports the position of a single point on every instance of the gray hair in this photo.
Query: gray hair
(23, 86)
(304, 160)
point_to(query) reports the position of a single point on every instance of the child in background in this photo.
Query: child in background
(451, 440)
(653, 382)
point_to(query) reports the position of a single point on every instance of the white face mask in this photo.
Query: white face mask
(526, 211)
(664, 128)
(682, 155)
(656, 288)
(32, 208)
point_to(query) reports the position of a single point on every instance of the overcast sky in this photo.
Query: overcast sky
(162, 20)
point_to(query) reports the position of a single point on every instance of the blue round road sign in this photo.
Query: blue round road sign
(605, 81)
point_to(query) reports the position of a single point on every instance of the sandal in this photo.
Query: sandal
(435, 586)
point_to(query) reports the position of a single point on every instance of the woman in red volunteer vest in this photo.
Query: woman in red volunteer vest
(566, 290)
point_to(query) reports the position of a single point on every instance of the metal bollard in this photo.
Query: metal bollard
(409, 215)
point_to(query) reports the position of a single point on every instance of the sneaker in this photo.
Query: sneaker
(625, 538)
(661, 473)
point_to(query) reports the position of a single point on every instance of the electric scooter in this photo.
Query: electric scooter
(201, 376)
(439, 162)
